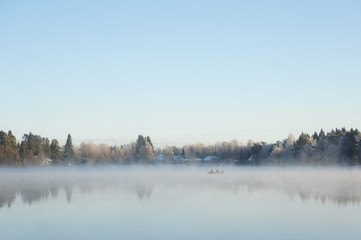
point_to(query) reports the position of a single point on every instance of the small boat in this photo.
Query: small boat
(211, 171)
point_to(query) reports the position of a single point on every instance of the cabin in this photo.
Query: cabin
(160, 158)
(210, 159)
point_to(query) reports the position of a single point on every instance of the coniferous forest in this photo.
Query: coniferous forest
(336, 147)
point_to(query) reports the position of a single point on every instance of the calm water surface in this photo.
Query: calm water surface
(180, 203)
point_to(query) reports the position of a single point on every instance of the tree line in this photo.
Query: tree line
(36, 150)
(337, 147)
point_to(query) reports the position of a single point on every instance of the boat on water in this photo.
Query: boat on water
(216, 171)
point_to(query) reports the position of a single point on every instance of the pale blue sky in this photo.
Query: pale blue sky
(179, 71)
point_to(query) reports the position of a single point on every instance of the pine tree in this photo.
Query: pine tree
(68, 153)
(144, 149)
(150, 143)
(46, 147)
(55, 151)
(32, 149)
(315, 136)
(304, 139)
(140, 153)
(9, 153)
(349, 146)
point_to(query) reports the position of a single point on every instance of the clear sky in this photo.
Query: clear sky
(179, 71)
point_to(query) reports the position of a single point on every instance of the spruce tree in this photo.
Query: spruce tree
(68, 153)
(140, 148)
(55, 151)
(9, 154)
(150, 143)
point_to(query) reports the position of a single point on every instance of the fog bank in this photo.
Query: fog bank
(338, 185)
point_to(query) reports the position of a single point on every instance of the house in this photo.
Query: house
(159, 158)
(210, 159)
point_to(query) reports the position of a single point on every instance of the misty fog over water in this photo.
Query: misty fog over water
(339, 185)
(160, 202)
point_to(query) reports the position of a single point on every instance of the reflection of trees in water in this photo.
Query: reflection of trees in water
(143, 191)
(30, 194)
(341, 195)
(7, 195)
(341, 188)
(30, 191)
(68, 191)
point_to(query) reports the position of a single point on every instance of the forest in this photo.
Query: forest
(336, 147)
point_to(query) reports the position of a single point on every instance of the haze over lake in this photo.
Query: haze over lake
(180, 202)
(113, 113)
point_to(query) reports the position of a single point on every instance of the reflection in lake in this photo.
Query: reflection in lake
(180, 203)
(335, 185)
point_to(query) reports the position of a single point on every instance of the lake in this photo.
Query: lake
(184, 202)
